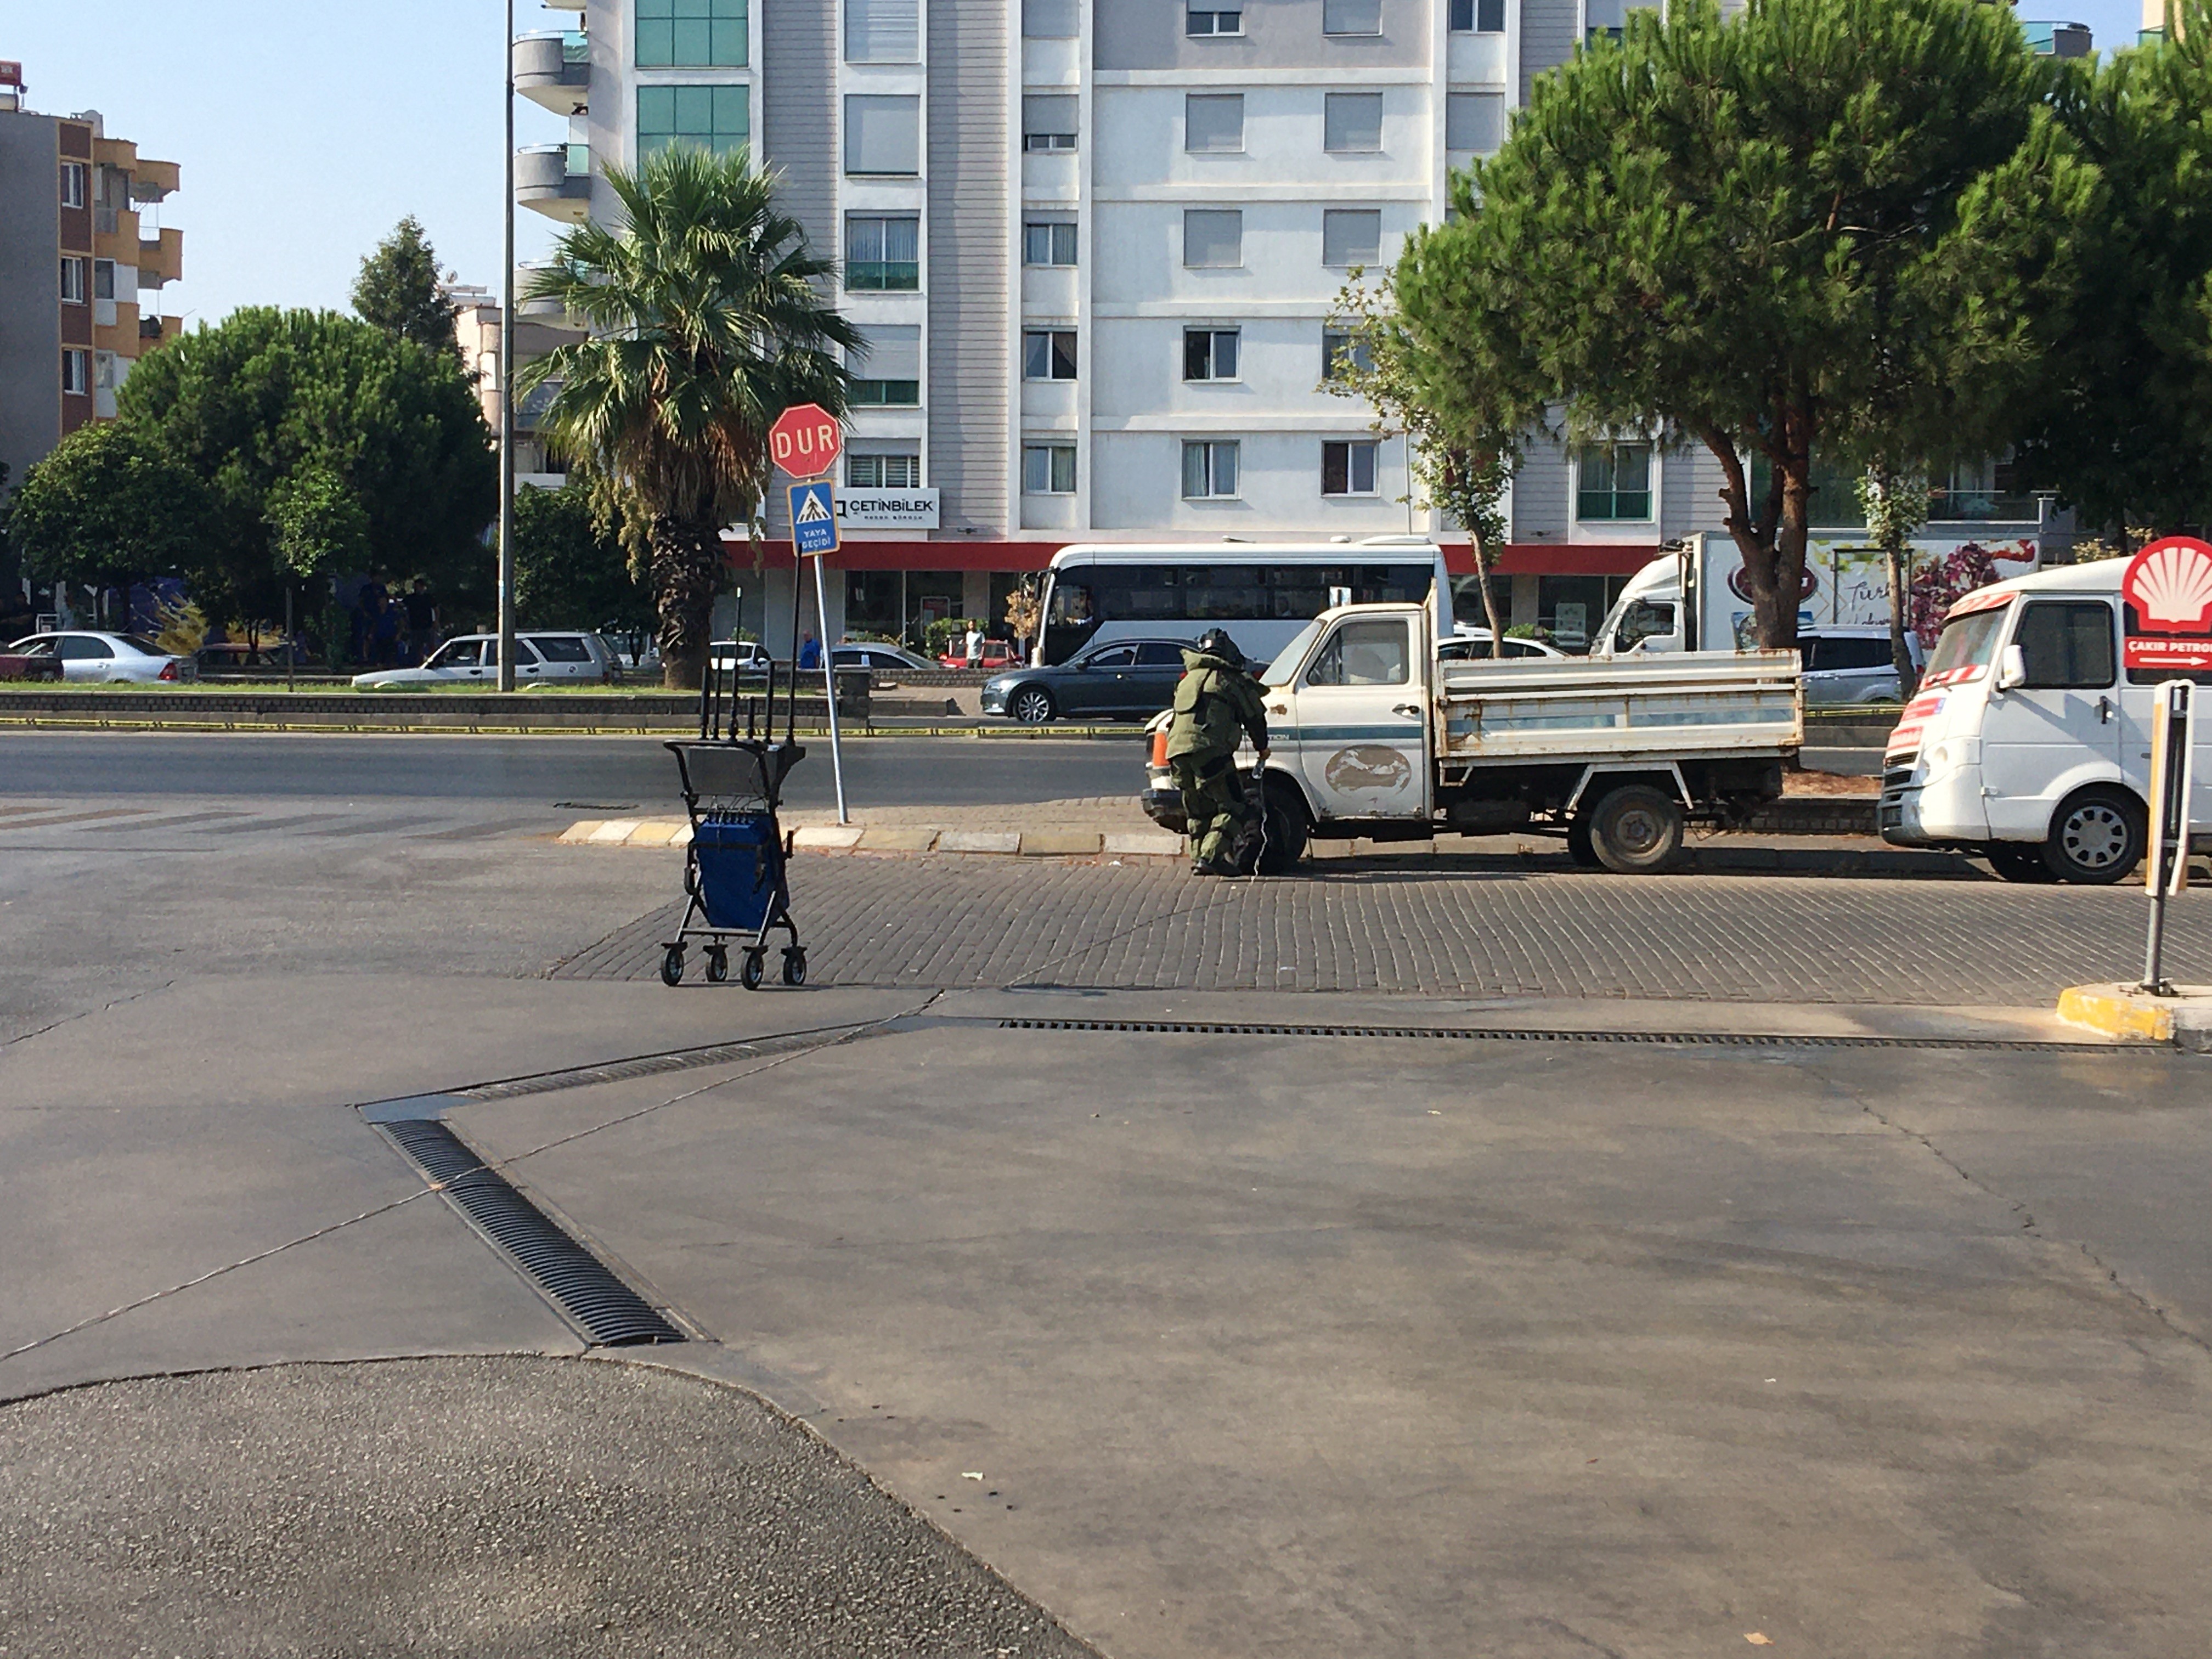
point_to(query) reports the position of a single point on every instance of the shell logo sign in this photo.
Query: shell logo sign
(2168, 592)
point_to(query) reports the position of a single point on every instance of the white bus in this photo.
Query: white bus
(1262, 592)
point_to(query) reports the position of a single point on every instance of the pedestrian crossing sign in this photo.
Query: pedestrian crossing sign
(813, 518)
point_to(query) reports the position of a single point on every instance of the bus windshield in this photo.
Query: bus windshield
(1965, 647)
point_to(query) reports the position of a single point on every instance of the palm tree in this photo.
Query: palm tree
(704, 325)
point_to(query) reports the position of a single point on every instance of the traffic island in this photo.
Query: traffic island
(2129, 1014)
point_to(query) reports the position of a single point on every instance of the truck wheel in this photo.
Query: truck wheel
(1287, 832)
(2018, 862)
(1637, 830)
(2097, 837)
(1578, 842)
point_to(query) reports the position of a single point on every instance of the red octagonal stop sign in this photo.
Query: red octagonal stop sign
(805, 440)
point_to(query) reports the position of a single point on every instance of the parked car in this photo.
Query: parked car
(26, 665)
(997, 653)
(879, 658)
(540, 659)
(1127, 676)
(750, 655)
(1852, 665)
(1474, 645)
(128, 659)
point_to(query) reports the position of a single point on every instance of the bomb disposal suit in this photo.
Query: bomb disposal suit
(1216, 704)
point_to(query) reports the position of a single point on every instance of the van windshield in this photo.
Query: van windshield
(1966, 646)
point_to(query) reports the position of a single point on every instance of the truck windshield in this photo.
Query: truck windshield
(1966, 646)
(1279, 672)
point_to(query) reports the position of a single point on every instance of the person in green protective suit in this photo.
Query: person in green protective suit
(1217, 703)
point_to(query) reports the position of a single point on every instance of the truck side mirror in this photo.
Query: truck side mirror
(2012, 669)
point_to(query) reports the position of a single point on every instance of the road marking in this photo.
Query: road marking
(84, 818)
(267, 824)
(165, 824)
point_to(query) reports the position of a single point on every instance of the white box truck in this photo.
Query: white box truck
(1372, 734)
(2029, 743)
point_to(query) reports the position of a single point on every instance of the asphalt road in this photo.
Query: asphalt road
(615, 773)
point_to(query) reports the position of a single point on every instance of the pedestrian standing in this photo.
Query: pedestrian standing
(1216, 704)
(809, 652)
(422, 608)
(974, 645)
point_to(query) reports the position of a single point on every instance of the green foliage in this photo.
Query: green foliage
(2124, 432)
(106, 505)
(706, 323)
(569, 571)
(1840, 222)
(322, 442)
(398, 291)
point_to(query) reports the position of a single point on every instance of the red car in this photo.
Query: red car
(997, 653)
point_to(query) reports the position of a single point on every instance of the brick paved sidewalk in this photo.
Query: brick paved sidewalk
(935, 921)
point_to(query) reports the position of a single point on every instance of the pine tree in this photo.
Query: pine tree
(397, 289)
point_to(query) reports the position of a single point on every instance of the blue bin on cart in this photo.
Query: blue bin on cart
(740, 858)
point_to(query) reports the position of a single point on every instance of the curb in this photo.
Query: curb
(1047, 842)
(678, 729)
(2128, 1015)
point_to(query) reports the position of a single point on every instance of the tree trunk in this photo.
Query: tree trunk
(687, 566)
(1900, 596)
(1479, 545)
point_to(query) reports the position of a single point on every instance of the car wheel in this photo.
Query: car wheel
(1031, 705)
(2097, 837)
(1637, 830)
(2018, 864)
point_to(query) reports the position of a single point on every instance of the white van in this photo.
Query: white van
(2027, 742)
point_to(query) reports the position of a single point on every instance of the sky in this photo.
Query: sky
(305, 131)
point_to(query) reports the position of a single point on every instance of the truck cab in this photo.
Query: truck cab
(2027, 742)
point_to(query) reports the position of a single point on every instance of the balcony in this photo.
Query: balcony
(883, 275)
(553, 69)
(151, 181)
(554, 179)
(161, 261)
(2058, 40)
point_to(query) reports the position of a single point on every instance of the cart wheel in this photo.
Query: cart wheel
(671, 965)
(718, 965)
(754, 969)
(794, 965)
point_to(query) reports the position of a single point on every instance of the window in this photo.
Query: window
(2066, 645)
(1614, 481)
(1602, 19)
(77, 372)
(883, 134)
(1341, 351)
(1352, 121)
(1363, 653)
(1049, 122)
(1213, 122)
(103, 279)
(1351, 16)
(1209, 469)
(1203, 23)
(1478, 17)
(1844, 651)
(73, 184)
(1048, 354)
(717, 119)
(1047, 244)
(103, 370)
(1209, 354)
(461, 653)
(72, 281)
(1213, 237)
(562, 647)
(691, 34)
(1048, 469)
(882, 31)
(1049, 19)
(1475, 121)
(81, 648)
(1348, 468)
(1351, 236)
(891, 469)
(881, 254)
(887, 371)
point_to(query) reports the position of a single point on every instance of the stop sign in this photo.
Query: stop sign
(805, 440)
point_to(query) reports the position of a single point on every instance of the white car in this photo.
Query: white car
(540, 659)
(750, 655)
(1473, 644)
(128, 659)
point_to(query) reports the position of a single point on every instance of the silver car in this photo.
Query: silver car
(1852, 665)
(123, 658)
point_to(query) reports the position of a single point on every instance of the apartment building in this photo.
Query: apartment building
(1096, 249)
(83, 262)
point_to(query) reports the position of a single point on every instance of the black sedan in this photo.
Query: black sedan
(1124, 677)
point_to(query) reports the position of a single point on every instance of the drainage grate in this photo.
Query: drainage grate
(1662, 1039)
(583, 1287)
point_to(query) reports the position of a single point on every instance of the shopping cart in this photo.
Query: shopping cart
(735, 870)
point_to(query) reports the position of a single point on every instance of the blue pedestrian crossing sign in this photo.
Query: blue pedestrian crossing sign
(813, 518)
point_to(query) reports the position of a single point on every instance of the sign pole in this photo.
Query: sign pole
(829, 688)
(2171, 768)
(805, 443)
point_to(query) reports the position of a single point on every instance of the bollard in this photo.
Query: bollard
(2172, 768)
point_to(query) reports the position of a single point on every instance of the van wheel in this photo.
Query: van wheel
(1636, 830)
(1288, 830)
(2020, 864)
(1578, 842)
(2097, 837)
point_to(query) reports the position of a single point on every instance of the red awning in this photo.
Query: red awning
(1516, 559)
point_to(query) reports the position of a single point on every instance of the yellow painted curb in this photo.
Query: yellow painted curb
(2117, 1012)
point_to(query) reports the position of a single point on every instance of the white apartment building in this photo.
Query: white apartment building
(1096, 247)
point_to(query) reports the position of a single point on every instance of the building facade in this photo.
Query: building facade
(1096, 249)
(82, 262)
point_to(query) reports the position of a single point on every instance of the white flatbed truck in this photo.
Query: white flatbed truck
(1372, 736)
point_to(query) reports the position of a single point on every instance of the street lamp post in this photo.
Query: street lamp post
(507, 388)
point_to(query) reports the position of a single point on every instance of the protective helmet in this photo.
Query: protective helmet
(1215, 642)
